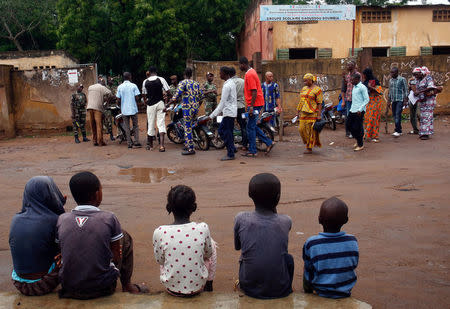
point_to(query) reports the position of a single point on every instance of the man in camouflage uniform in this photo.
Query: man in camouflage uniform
(210, 93)
(108, 118)
(172, 90)
(78, 108)
(210, 96)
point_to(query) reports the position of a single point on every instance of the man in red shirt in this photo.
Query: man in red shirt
(255, 101)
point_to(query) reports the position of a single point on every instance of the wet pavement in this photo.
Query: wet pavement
(163, 300)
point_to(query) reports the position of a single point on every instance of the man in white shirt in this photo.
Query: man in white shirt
(154, 89)
(228, 107)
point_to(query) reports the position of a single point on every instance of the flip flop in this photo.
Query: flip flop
(269, 149)
(143, 289)
(249, 155)
(162, 149)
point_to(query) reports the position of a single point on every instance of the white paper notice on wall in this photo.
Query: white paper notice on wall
(73, 76)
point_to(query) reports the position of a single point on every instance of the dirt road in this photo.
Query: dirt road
(398, 192)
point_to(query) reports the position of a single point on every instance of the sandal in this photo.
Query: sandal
(142, 288)
(269, 148)
(249, 155)
(162, 149)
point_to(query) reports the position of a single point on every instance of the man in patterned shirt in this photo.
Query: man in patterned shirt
(271, 93)
(398, 96)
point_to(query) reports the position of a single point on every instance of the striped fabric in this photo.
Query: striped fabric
(330, 262)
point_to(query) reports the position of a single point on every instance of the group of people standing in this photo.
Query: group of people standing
(362, 97)
(241, 100)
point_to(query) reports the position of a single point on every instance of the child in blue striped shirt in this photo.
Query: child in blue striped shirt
(332, 256)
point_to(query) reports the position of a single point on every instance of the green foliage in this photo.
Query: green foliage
(27, 24)
(133, 34)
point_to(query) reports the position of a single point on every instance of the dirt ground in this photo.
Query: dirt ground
(397, 191)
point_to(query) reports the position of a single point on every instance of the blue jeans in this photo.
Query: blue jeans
(348, 105)
(397, 108)
(226, 133)
(253, 131)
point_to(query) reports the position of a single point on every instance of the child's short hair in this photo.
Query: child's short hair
(265, 190)
(83, 186)
(181, 201)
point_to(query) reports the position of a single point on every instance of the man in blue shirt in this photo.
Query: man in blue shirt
(128, 96)
(271, 93)
(360, 98)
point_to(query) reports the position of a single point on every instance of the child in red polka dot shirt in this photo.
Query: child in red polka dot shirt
(184, 249)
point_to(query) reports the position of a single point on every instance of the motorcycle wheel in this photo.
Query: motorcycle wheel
(217, 142)
(173, 136)
(201, 139)
(259, 144)
(333, 124)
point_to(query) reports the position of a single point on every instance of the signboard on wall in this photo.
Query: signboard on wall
(307, 12)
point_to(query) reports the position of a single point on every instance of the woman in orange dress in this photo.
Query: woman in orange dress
(308, 111)
(373, 108)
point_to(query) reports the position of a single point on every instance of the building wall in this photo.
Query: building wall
(28, 60)
(6, 105)
(410, 26)
(42, 98)
(250, 39)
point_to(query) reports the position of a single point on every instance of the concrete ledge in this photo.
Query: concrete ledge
(163, 300)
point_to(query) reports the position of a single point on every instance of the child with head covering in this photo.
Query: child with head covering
(32, 237)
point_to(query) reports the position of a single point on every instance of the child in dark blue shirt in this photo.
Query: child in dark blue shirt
(332, 256)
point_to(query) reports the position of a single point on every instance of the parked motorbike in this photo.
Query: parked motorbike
(263, 123)
(200, 132)
(118, 121)
(328, 115)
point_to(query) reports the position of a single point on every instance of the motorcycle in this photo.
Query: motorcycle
(200, 132)
(263, 123)
(328, 115)
(118, 121)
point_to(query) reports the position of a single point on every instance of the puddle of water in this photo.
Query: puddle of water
(147, 174)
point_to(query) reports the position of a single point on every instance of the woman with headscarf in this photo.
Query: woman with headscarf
(32, 237)
(309, 111)
(373, 109)
(426, 91)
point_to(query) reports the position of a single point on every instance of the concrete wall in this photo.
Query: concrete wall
(410, 26)
(42, 98)
(438, 65)
(250, 37)
(27, 60)
(7, 126)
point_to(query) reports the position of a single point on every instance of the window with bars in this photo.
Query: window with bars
(441, 15)
(379, 16)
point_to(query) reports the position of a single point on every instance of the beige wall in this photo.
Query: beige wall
(42, 98)
(333, 34)
(27, 60)
(410, 26)
(6, 108)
